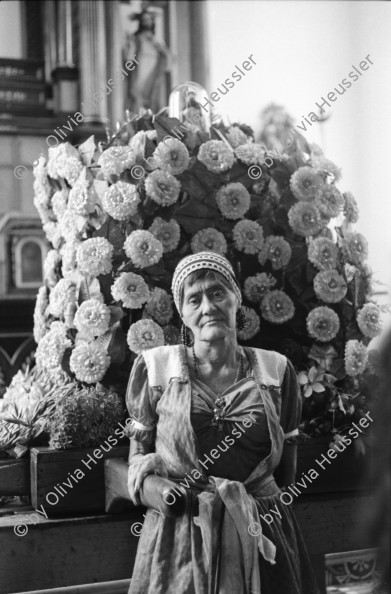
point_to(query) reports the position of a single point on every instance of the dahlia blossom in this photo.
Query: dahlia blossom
(167, 232)
(131, 289)
(356, 357)
(92, 318)
(143, 335)
(252, 324)
(248, 236)
(94, 256)
(369, 320)
(330, 199)
(62, 295)
(51, 347)
(89, 362)
(255, 287)
(305, 183)
(162, 187)
(159, 306)
(114, 160)
(350, 208)
(277, 250)
(143, 248)
(355, 248)
(323, 253)
(250, 153)
(237, 137)
(277, 307)
(233, 200)
(330, 286)
(172, 155)
(121, 200)
(216, 156)
(305, 219)
(209, 240)
(323, 324)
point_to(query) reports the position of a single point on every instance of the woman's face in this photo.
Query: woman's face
(209, 309)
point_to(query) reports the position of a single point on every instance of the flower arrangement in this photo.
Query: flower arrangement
(120, 215)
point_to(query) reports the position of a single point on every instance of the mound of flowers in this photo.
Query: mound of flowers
(119, 216)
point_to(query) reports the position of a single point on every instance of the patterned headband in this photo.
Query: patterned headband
(199, 261)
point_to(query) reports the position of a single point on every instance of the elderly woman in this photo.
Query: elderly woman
(218, 419)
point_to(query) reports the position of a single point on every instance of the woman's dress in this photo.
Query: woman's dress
(238, 536)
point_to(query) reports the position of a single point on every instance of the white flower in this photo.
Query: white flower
(252, 324)
(68, 253)
(162, 187)
(350, 208)
(94, 256)
(255, 287)
(56, 161)
(216, 156)
(323, 253)
(51, 347)
(121, 200)
(355, 248)
(72, 169)
(330, 286)
(172, 155)
(305, 183)
(67, 227)
(323, 324)
(329, 199)
(277, 307)
(356, 357)
(233, 200)
(209, 240)
(59, 202)
(159, 306)
(50, 267)
(248, 236)
(131, 289)
(61, 296)
(89, 362)
(114, 160)
(143, 335)
(53, 233)
(167, 232)
(82, 198)
(39, 314)
(250, 153)
(92, 318)
(369, 320)
(143, 248)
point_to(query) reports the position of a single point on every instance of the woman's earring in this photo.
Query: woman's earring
(185, 335)
(240, 319)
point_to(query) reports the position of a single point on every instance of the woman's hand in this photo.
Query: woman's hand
(140, 466)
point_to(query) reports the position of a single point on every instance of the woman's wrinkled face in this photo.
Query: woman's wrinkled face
(209, 309)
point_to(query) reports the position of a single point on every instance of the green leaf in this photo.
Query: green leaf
(165, 126)
(194, 216)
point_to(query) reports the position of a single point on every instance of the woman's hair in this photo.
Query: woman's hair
(202, 274)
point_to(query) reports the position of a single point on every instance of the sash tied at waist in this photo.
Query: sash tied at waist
(241, 510)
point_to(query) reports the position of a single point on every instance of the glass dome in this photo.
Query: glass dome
(189, 104)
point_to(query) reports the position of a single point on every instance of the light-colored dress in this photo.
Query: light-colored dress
(225, 544)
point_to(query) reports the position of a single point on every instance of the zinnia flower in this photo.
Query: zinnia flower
(92, 318)
(356, 357)
(277, 250)
(162, 187)
(323, 324)
(51, 266)
(277, 307)
(216, 156)
(89, 362)
(233, 200)
(323, 253)
(59, 202)
(143, 248)
(167, 232)
(53, 233)
(330, 286)
(62, 295)
(330, 199)
(131, 289)
(369, 320)
(114, 160)
(72, 169)
(355, 248)
(82, 198)
(255, 287)
(172, 155)
(51, 347)
(350, 208)
(248, 236)
(159, 306)
(39, 314)
(323, 165)
(67, 227)
(94, 256)
(56, 160)
(143, 335)
(250, 153)
(209, 240)
(305, 183)
(252, 324)
(121, 200)
(305, 219)
(237, 137)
